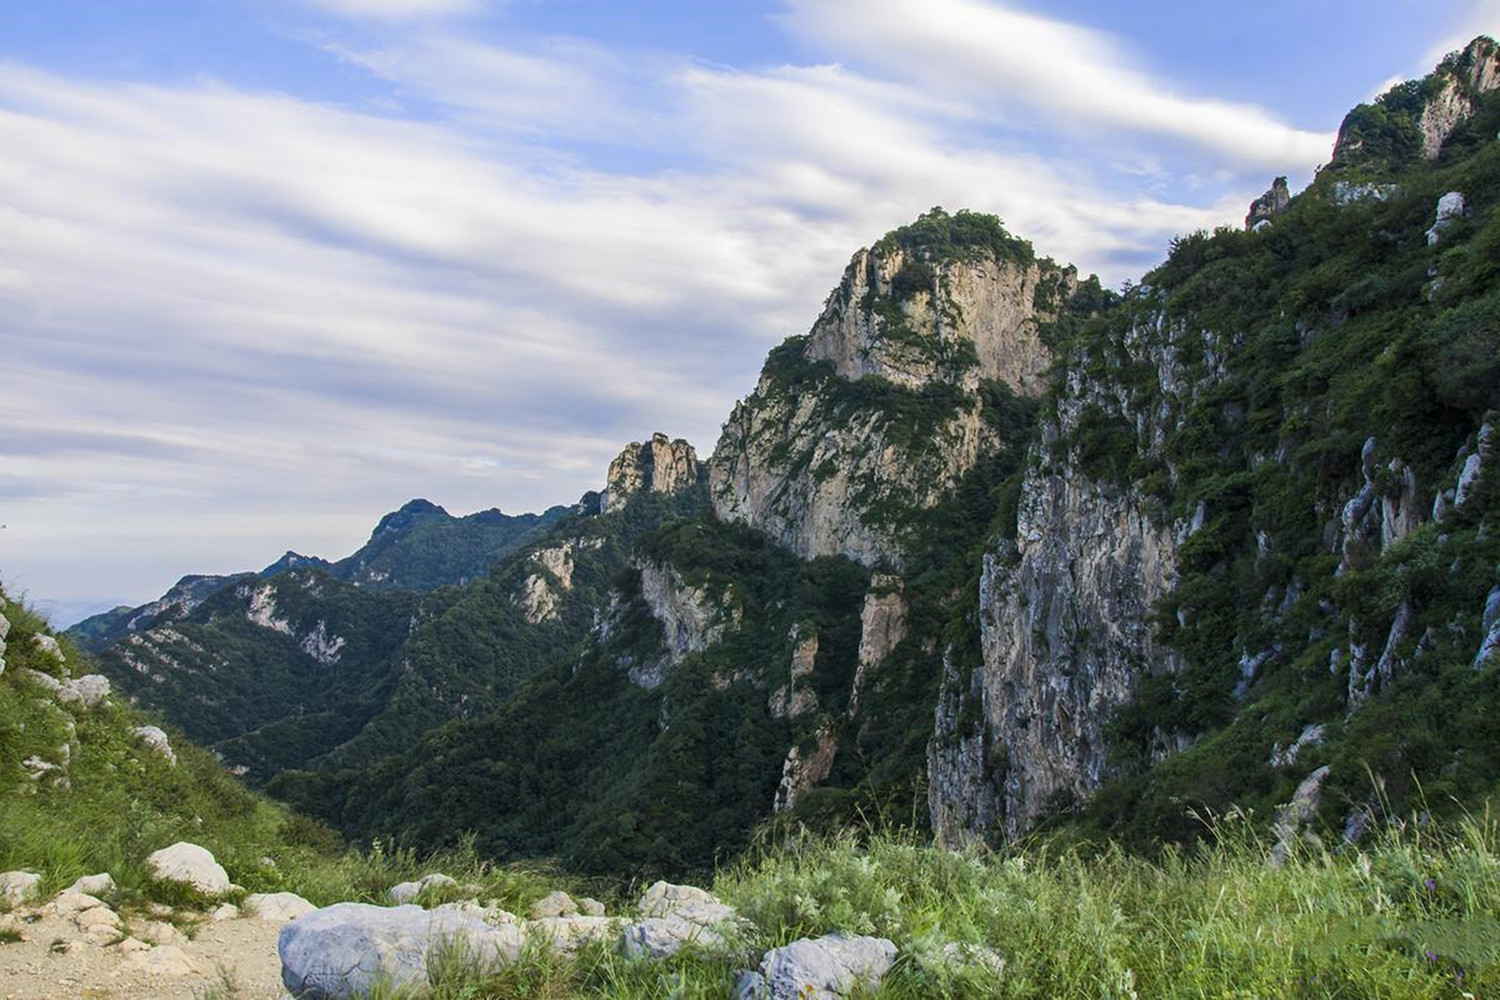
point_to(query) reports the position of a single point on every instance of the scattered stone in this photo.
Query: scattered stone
(1450, 208)
(489, 914)
(102, 884)
(69, 904)
(567, 934)
(17, 887)
(277, 907)
(343, 951)
(591, 907)
(157, 740)
(405, 892)
(88, 691)
(554, 904)
(49, 645)
(227, 911)
(131, 945)
(168, 961)
(824, 968)
(192, 865)
(158, 932)
(675, 916)
(99, 916)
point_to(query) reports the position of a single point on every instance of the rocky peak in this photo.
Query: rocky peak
(947, 298)
(660, 465)
(1271, 203)
(409, 514)
(1413, 120)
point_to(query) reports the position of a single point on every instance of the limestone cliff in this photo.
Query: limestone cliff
(878, 412)
(660, 465)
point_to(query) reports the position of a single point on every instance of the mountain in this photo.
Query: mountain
(419, 547)
(989, 549)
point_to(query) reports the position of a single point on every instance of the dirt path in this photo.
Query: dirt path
(59, 960)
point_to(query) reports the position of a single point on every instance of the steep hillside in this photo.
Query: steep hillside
(1256, 536)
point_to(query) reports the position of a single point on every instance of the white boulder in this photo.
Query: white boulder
(89, 690)
(17, 887)
(278, 907)
(191, 865)
(344, 951)
(406, 892)
(49, 645)
(555, 904)
(157, 740)
(675, 916)
(824, 968)
(102, 884)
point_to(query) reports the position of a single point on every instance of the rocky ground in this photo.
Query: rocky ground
(78, 944)
(57, 951)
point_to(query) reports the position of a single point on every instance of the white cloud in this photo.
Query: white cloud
(994, 55)
(1479, 17)
(396, 10)
(239, 322)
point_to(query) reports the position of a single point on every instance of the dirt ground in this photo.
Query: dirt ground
(60, 958)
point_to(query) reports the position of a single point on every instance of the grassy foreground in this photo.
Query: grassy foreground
(1414, 914)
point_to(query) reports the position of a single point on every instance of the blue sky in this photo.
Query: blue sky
(269, 268)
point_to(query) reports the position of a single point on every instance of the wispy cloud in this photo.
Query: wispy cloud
(997, 56)
(396, 10)
(281, 316)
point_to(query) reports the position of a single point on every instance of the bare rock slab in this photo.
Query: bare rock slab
(341, 952)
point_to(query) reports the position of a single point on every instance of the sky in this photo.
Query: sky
(270, 268)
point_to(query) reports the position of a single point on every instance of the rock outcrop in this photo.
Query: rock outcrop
(692, 618)
(1065, 615)
(660, 465)
(674, 917)
(876, 414)
(825, 968)
(191, 865)
(1270, 204)
(345, 951)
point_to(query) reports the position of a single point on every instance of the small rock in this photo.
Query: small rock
(675, 916)
(70, 904)
(343, 951)
(1450, 207)
(157, 740)
(168, 961)
(974, 954)
(591, 907)
(489, 914)
(159, 933)
(278, 907)
(567, 934)
(405, 892)
(825, 968)
(88, 691)
(663, 898)
(131, 945)
(227, 911)
(49, 645)
(554, 904)
(191, 865)
(17, 887)
(102, 884)
(99, 916)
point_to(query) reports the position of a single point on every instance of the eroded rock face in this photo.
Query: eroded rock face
(986, 303)
(803, 771)
(1270, 204)
(1064, 618)
(344, 951)
(692, 618)
(660, 465)
(882, 623)
(815, 459)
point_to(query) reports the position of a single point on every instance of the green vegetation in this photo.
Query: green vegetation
(963, 235)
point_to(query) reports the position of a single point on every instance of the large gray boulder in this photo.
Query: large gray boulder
(89, 690)
(825, 968)
(157, 740)
(343, 951)
(191, 865)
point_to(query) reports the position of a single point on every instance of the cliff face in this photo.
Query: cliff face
(877, 413)
(660, 465)
(1064, 613)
